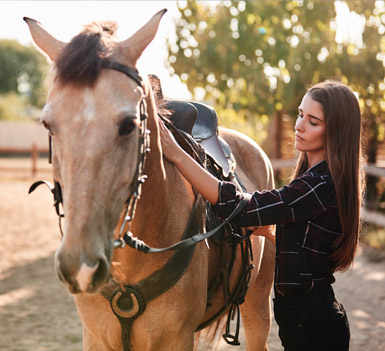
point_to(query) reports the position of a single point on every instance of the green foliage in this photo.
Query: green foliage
(22, 70)
(258, 57)
(14, 107)
(253, 57)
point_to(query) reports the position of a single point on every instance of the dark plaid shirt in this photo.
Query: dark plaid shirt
(307, 220)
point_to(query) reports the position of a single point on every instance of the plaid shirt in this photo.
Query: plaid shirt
(307, 220)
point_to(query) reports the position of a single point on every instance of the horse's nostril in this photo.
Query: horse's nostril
(66, 277)
(101, 273)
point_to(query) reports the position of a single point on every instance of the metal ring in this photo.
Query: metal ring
(134, 304)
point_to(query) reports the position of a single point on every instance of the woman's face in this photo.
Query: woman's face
(310, 130)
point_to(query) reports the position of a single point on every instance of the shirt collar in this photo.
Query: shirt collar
(318, 166)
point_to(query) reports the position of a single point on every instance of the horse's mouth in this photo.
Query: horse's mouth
(74, 288)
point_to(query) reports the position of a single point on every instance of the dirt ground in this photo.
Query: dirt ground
(37, 313)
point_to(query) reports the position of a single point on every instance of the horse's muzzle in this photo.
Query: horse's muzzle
(82, 277)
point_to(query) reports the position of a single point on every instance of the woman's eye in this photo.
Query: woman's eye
(299, 116)
(127, 125)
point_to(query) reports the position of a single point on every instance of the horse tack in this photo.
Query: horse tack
(130, 302)
(143, 150)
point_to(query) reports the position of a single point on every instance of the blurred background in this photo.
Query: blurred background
(251, 60)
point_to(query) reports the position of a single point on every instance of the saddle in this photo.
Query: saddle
(201, 122)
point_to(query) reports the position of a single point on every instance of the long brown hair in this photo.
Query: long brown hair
(343, 156)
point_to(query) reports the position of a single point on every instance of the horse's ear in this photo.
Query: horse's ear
(135, 45)
(45, 41)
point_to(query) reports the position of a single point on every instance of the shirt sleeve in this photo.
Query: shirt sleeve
(304, 198)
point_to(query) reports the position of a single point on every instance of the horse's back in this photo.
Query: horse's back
(253, 166)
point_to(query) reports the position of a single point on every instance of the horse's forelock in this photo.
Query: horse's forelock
(81, 59)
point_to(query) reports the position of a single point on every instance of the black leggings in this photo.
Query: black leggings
(313, 321)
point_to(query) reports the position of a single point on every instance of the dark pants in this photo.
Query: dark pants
(313, 321)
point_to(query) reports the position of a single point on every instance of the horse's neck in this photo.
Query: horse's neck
(165, 194)
(161, 214)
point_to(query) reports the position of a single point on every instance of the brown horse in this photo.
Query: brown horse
(94, 113)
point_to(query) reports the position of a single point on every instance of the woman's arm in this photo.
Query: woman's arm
(199, 178)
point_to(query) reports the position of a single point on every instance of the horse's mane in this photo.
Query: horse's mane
(160, 102)
(80, 62)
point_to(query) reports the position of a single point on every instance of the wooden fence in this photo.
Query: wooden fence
(33, 152)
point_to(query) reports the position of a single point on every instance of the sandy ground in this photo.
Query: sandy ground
(37, 313)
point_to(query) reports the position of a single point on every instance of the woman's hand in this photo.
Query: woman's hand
(171, 150)
(268, 234)
(198, 177)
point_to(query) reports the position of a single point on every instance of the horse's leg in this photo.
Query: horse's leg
(255, 311)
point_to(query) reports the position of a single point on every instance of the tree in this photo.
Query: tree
(362, 67)
(253, 59)
(22, 70)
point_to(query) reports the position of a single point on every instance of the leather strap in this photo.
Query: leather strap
(130, 72)
(157, 283)
(141, 246)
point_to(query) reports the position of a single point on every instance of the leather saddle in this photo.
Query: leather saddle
(201, 122)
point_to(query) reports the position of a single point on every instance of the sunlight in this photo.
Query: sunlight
(64, 19)
(15, 296)
(375, 276)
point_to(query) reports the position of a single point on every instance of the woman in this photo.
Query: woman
(317, 216)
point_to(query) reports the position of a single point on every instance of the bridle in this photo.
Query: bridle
(143, 150)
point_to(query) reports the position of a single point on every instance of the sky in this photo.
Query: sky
(65, 19)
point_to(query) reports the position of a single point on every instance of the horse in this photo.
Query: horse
(102, 120)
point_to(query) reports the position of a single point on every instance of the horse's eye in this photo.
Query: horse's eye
(46, 125)
(127, 125)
